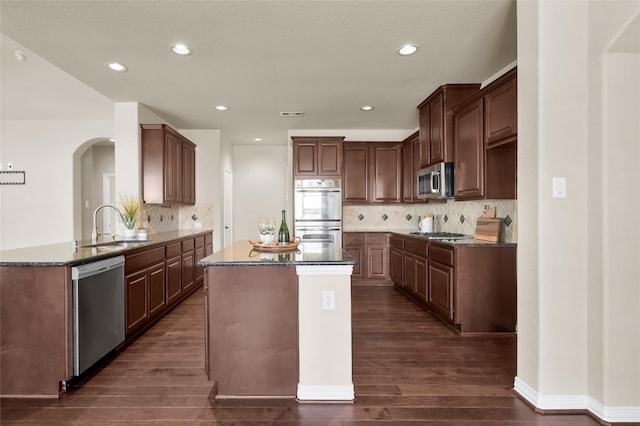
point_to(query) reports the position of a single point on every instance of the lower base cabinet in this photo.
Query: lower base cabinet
(371, 251)
(157, 278)
(470, 288)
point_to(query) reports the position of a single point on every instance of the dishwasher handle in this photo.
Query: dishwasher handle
(93, 268)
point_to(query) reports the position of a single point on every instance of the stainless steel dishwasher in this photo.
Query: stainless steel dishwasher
(98, 310)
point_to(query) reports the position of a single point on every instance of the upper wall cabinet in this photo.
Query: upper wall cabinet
(485, 141)
(168, 166)
(435, 124)
(372, 172)
(317, 157)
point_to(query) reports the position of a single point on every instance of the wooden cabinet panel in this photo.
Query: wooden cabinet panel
(441, 289)
(188, 270)
(174, 278)
(199, 270)
(330, 158)
(424, 133)
(137, 310)
(168, 166)
(396, 266)
(157, 289)
(409, 269)
(501, 112)
(436, 128)
(410, 168)
(317, 157)
(356, 174)
(386, 182)
(422, 278)
(304, 158)
(378, 262)
(189, 174)
(469, 148)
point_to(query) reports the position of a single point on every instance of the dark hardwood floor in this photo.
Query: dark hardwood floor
(408, 369)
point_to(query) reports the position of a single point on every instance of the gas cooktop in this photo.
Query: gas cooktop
(440, 235)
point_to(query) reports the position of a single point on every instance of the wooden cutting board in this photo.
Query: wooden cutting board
(488, 229)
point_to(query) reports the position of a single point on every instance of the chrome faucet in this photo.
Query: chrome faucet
(94, 231)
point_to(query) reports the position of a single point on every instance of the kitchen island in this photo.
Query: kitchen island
(279, 323)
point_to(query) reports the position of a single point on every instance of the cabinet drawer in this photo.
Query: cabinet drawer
(416, 247)
(188, 245)
(173, 249)
(200, 241)
(441, 255)
(135, 262)
(397, 242)
(377, 239)
(353, 239)
(208, 238)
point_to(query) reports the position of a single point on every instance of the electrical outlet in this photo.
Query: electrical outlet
(329, 300)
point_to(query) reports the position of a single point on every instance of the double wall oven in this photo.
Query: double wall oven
(318, 210)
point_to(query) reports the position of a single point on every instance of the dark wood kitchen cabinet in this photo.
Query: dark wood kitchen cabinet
(372, 172)
(434, 122)
(355, 185)
(371, 250)
(410, 169)
(469, 148)
(470, 288)
(144, 287)
(199, 254)
(485, 133)
(188, 265)
(174, 272)
(168, 166)
(317, 157)
(440, 298)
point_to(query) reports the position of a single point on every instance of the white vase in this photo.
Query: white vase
(129, 234)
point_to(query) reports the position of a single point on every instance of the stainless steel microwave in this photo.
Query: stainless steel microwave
(436, 181)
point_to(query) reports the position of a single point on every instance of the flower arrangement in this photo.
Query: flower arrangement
(130, 210)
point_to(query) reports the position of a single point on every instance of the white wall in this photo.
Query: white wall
(260, 182)
(578, 273)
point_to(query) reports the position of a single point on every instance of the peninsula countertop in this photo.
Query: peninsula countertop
(64, 254)
(242, 253)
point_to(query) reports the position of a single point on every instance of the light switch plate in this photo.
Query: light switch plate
(559, 187)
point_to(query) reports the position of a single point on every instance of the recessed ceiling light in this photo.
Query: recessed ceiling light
(366, 108)
(221, 108)
(180, 49)
(19, 55)
(408, 49)
(116, 66)
(258, 139)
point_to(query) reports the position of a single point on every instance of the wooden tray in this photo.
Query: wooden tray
(274, 247)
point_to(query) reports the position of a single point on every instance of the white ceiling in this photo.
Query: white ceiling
(326, 58)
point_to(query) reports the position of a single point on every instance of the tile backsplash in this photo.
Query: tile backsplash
(160, 218)
(452, 216)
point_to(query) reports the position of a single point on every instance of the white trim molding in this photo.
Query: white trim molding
(324, 269)
(576, 402)
(325, 393)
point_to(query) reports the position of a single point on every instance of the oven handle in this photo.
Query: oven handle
(318, 190)
(317, 229)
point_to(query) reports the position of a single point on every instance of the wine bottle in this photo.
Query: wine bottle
(283, 232)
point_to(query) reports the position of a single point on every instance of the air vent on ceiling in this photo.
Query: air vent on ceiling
(291, 114)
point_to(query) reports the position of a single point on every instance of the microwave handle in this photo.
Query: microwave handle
(435, 181)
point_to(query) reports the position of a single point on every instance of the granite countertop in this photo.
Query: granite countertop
(242, 253)
(63, 254)
(469, 241)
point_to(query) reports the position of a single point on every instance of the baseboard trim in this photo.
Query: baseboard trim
(325, 393)
(557, 403)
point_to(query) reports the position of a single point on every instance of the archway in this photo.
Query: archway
(93, 185)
